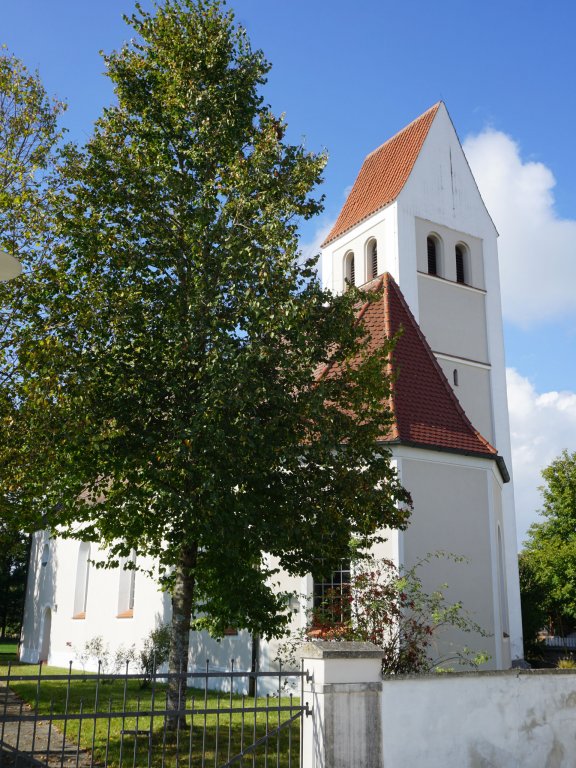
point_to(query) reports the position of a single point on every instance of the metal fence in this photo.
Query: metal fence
(569, 643)
(78, 720)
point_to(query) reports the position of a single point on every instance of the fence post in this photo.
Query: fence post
(344, 694)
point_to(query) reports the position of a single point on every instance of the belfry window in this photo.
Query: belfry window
(349, 270)
(460, 265)
(432, 249)
(373, 259)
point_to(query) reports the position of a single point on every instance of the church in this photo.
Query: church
(415, 227)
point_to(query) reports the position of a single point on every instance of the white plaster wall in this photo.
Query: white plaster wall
(451, 497)
(480, 720)
(453, 318)
(448, 239)
(473, 392)
(53, 586)
(441, 189)
(382, 227)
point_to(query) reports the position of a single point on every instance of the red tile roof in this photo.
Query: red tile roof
(426, 412)
(383, 174)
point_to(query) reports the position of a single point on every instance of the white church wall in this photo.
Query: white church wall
(453, 318)
(473, 391)
(54, 587)
(451, 495)
(441, 189)
(381, 227)
(447, 240)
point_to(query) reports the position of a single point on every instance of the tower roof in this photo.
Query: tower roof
(426, 412)
(383, 174)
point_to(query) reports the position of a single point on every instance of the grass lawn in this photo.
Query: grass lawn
(8, 650)
(117, 737)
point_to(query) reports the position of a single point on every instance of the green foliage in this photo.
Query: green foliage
(168, 352)
(97, 650)
(28, 138)
(567, 663)
(13, 572)
(154, 652)
(389, 607)
(548, 561)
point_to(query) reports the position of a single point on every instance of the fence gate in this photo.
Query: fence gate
(77, 720)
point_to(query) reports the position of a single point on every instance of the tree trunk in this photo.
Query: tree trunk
(182, 601)
(255, 667)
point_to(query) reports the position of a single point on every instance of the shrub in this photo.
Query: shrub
(566, 663)
(154, 652)
(389, 607)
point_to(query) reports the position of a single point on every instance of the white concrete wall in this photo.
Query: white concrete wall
(480, 720)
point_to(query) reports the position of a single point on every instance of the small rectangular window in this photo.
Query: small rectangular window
(331, 599)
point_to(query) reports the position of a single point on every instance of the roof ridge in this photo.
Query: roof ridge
(383, 174)
(433, 108)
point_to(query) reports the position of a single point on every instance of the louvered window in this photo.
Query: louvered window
(432, 256)
(349, 270)
(460, 269)
(373, 259)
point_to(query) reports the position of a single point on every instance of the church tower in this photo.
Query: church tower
(416, 214)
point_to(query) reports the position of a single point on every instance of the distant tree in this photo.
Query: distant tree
(548, 561)
(14, 552)
(178, 337)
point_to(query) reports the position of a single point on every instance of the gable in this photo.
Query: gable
(383, 175)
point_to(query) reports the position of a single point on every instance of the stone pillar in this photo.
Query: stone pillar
(344, 694)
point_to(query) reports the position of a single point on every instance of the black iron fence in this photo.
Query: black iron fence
(77, 720)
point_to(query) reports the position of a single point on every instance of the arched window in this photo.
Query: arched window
(455, 376)
(82, 572)
(461, 266)
(349, 271)
(372, 260)
(433, 255)
(127, 586)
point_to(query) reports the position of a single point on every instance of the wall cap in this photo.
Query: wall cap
(339, 649)
(478, 673)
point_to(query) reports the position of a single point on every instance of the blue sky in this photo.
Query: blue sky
(348, 76)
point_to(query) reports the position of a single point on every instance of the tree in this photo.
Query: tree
(14, 552)
(177, 336)
(548, 561)
(29, 136)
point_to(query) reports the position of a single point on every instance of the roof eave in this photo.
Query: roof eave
(500, 463)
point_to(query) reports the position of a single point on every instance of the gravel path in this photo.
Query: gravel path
(29, 744)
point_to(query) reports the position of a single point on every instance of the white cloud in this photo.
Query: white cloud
(541, 427)
(537, 249)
